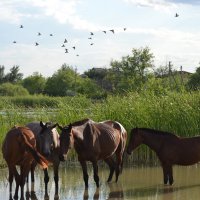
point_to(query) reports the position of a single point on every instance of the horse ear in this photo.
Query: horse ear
(70, 126)
(42, 124)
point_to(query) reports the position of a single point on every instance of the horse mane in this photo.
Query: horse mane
(81, 122)
(158, 132)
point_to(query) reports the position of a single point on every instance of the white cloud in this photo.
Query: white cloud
(61, 10)
(156, 4)
(8, 12)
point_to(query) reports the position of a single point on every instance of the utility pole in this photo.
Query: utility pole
(75, 76)
(169, 74)
(181, 71)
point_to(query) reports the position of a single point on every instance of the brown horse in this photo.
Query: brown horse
(170, 149)
(92, 142)
(48, 145)
(19, 148)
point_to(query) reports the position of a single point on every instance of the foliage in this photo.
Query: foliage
(169, 111)
(35, 83)
(131, 72)
(9, 89)
(13, 76)
(62, 83)
(194, 81)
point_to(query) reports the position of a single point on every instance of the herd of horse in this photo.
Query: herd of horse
(40, 143)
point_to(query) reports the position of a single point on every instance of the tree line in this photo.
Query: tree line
(134, 72)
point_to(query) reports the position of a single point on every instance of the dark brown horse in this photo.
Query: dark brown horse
(170, 149)
(95, 141)
(19, 148)
(48, 145)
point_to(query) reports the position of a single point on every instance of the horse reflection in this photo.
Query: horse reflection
(116, 191)
(95, 196)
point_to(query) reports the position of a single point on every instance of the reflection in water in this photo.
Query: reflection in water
(95, 196)
(135, 183)
(116, 191)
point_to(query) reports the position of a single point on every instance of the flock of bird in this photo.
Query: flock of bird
(66, 41)
(74, 47)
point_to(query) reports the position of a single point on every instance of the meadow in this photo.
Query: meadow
(174, 112)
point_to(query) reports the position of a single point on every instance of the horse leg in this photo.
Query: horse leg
(56, 177)
(171, 180)
(119, 159)
(17, 180)
(33, 165)
(111, 165)
(95, 169)
(23, 176)
(46, 180)
(85, 174)
(167, 173)
(10, 179)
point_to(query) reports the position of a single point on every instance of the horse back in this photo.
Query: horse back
(102, 139)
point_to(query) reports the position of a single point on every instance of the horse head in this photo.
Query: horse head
(47, 141)
(66, 141)
(135, 140)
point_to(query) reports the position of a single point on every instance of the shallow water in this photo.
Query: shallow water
(135, 183)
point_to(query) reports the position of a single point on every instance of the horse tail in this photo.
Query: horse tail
(36, 155)
(123, 136)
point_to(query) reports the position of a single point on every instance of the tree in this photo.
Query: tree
(63, 82)
(194, 80)
(9, 89)
(90, 88)
(14, 76)
(35, 83)
(131, 72)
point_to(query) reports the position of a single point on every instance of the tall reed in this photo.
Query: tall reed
(174, 112)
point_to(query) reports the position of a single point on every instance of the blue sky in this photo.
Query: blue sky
(149, 23)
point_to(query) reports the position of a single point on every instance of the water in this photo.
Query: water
(138, 183)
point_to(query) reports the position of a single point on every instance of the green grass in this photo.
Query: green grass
(174, 112)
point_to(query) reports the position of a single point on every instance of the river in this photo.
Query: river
(138, 183)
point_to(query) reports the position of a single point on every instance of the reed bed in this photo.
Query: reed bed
(174, 112)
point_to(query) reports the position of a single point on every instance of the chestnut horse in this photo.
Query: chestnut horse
(170, 149)
(48, 145)
(19, 148)
(95, 141)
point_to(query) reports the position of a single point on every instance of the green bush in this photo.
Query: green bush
(9, 89)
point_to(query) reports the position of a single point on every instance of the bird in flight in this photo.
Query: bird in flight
(36, 44)
(176, 15)
(104, 32)
(91, 33)
(112, 30)
(65, 41)
(66, 51)
(21, 26)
